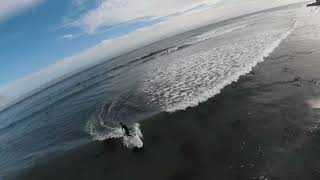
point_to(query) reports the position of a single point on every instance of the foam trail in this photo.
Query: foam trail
(100, 130)
(111, 133)
(102, 127)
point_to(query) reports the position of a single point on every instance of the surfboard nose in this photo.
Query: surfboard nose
(133, 141)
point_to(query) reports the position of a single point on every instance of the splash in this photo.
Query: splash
(102, 126)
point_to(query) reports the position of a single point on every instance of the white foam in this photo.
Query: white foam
(101, 134)
(185, 82)
(102, 127)
(100, 130)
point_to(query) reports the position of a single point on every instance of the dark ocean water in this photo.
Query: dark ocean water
(167, 76)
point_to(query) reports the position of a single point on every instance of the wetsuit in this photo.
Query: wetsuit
(126, 129)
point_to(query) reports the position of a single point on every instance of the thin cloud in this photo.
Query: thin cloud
(111, 12)
(9, 8)
(110, 48)
(80, 4)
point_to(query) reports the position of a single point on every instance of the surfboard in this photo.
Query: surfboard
(133, 141)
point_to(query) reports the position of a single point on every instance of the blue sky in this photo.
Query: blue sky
(48, 30)
(38, 37)
(41, 40)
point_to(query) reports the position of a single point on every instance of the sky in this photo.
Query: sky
(41, 40)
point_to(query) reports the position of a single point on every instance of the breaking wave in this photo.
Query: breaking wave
(217, 32)
(199, 38)
(185, 82)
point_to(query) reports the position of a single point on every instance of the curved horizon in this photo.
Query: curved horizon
(189, 19)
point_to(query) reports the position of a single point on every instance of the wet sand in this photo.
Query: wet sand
(265, 126)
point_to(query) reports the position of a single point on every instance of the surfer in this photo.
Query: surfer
(130, 140)
(126, 129)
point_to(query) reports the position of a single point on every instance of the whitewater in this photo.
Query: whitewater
(193, 70)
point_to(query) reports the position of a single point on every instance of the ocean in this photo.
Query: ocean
(168, 76)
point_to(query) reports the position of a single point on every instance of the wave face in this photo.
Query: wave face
(192, 70)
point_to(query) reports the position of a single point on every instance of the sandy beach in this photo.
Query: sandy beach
(264, 126)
